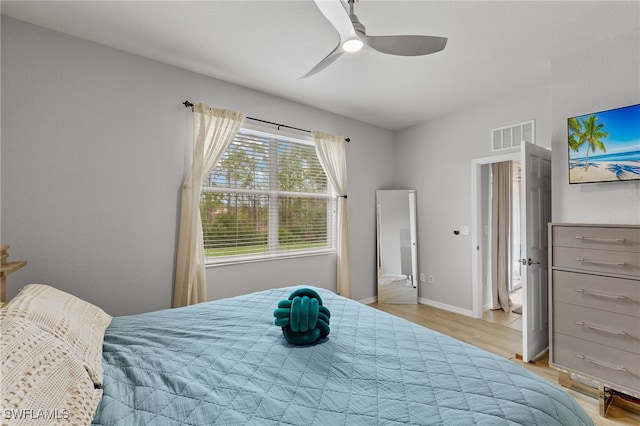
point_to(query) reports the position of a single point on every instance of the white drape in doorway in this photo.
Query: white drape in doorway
(332, 154)
(501, 225)
(213, 131)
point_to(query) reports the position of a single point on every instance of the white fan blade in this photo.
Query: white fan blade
(338, 16)
(405, 45)
(328, 60)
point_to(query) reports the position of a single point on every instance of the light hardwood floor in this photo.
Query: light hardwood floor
(504, 341)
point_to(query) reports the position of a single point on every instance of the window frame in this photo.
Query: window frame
(273, 193)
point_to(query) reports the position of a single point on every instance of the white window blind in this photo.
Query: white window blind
(267, 197)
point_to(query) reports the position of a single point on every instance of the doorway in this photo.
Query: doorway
(501, 306)
(480, 226)
(535, 215)
(488, 309)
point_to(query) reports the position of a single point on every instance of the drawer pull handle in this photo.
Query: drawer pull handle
(600, 262)
(603, 364)
(593, 293)
(593, 327)
(604, 240)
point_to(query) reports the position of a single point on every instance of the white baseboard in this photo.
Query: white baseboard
(369, 300)
(445, 307)
(427, 302)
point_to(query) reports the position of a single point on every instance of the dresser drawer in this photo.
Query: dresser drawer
(606, 328)
(619, 295)
(611, 366)
(605, 261)
(597, 237)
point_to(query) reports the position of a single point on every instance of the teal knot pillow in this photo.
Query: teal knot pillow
(302, 317)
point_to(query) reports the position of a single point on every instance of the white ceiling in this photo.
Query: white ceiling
(494, 48)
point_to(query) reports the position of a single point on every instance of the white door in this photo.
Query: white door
(536, 213)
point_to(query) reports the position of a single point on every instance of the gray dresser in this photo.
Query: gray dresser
(594, 279)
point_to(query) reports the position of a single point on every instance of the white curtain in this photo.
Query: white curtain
(332, 154)
(501, 227)
(213, 131)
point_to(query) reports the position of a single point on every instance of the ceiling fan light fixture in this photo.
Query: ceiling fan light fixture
(352, 45)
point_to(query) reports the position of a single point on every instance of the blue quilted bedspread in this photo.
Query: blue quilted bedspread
(226, 363)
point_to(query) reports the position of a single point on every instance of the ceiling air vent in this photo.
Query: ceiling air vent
(512, 136)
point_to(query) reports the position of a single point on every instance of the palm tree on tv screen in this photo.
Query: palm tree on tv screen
(575, 134)
(591, 133)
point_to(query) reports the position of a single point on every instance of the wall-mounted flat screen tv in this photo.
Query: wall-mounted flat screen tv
(605, 146)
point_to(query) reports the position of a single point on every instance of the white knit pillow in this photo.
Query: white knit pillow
(79, 324)
(42, 382)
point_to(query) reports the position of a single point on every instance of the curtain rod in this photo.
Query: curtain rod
(188, 104)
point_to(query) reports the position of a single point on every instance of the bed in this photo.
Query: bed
(226, 363)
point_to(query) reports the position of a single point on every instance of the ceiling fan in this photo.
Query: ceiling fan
(353, 37)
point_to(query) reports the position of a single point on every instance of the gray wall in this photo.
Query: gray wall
(605, 76)
(1, 133)
(95, 144)
(435, 158)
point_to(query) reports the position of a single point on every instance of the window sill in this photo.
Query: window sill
(237, 260)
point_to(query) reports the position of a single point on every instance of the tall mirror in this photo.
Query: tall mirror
(397, 246)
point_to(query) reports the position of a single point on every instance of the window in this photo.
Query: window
(267, 197)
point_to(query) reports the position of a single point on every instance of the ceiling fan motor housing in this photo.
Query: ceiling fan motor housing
(357, 25)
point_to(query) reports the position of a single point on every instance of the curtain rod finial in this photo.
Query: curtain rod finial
(187, 104)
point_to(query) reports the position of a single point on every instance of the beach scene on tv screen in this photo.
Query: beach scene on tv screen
(605, 146)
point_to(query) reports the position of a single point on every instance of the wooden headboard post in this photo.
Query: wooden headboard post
(6, 268)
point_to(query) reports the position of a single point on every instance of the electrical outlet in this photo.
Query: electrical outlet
(421, 277)
(430, 278)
